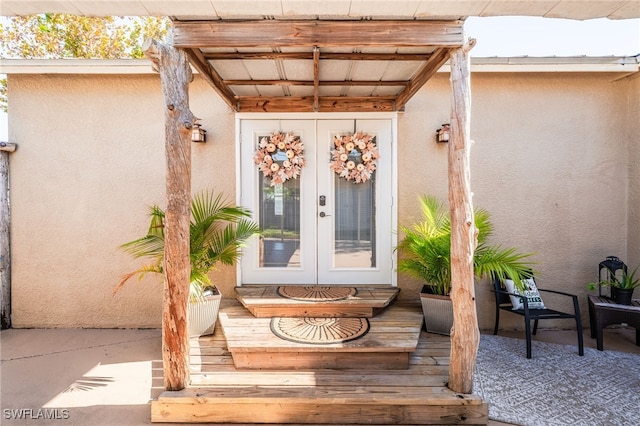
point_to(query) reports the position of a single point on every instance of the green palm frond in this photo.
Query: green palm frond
(156, 227)
(490, 261)
(217, 231)
(426, 249)
(147, 246)
(141, 272)
(483, 224)
(435, 216)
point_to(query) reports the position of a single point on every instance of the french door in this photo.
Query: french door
(318, 228)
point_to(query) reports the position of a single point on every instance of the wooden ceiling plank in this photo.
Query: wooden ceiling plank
(211, 76)
(432, 66)
(316, 78)
(323, 56)
(310, 33)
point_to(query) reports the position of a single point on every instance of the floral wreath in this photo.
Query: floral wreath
(280, 157)
(355, 156)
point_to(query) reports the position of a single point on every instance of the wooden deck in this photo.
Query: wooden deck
(222, 393)
(392, 337)
(265, 302)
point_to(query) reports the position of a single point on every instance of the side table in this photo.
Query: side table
(604, 311)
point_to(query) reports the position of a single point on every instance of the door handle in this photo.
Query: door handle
(323, 214)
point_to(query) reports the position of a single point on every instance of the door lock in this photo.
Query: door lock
(323, 200)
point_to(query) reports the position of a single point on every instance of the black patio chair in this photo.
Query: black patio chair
(503, 302)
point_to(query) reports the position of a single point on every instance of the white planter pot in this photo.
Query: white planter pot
(438, 313)
(203, 315)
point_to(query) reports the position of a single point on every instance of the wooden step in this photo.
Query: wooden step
(265, 301)
(221, 393)
(388, 344)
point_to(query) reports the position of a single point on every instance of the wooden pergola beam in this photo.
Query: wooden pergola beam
(427, 71)
(465, 335)
(316, 78)
(325, 56)
(311, 33)
(315, 81)
(325, 104)
(211, 76)
(175, 75)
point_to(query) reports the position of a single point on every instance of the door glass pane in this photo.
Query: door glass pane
(355, 216)
(280, 224)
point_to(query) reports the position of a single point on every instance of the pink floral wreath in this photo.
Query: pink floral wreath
(355, 156)
(280, 157)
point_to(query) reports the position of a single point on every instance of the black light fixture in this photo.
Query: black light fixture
(198, 134)
(442, 134)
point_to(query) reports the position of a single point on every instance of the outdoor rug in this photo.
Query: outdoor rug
(556, 386)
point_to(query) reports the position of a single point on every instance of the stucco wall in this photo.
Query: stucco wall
(90, 161)
(630, 92)
(548, 163)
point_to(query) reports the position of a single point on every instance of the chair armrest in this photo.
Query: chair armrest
(525, 300)
(557, 292)
(576, 304)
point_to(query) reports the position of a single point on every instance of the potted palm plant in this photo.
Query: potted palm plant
(426, 254)
(217, 231)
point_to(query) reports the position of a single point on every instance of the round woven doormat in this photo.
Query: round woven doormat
(316, 293)
(319, 331)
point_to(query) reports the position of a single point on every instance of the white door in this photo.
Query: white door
(319, 228)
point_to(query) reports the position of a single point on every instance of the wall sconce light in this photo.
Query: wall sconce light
(442, 134)
(198, 134)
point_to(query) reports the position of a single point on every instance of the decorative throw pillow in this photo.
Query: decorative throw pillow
(531, 293)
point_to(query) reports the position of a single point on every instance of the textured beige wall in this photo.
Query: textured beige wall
(630, 93)
(90, 162)
(550, 163)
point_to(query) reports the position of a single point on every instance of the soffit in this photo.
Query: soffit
(328, 9)
(556, 64)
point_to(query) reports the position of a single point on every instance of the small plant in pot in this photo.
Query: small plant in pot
(622, 286)
(217, 231)
(425, 254)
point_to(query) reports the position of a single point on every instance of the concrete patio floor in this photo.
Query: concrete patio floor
(104, 377)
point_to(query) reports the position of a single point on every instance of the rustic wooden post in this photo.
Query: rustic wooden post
(465, 335)
(5, 236)
(175, 75)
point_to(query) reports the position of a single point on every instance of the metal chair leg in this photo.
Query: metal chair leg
(576, 309)
(580, 342)
(527, 329)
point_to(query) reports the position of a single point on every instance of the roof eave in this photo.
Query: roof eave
(608, 64)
